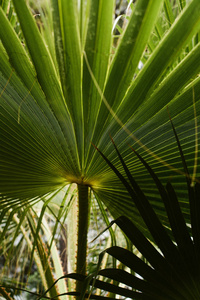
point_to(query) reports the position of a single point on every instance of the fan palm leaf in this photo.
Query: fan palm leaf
(56, 100)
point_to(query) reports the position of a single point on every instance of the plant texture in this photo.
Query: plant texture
(69, 79)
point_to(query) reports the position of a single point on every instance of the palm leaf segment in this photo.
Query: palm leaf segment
(52, 107)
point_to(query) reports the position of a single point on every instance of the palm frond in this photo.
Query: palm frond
(66, 81)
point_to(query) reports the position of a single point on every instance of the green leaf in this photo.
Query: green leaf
(170, 46)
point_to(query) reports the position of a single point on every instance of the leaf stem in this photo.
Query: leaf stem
(83, 223)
